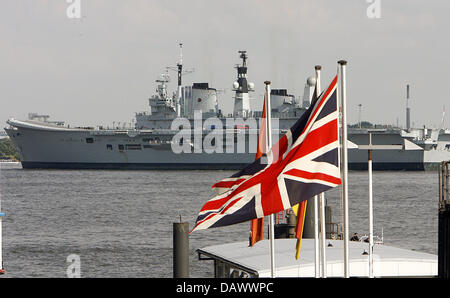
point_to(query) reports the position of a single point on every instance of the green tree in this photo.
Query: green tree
(7, 149)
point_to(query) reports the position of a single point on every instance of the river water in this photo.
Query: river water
(119, 223)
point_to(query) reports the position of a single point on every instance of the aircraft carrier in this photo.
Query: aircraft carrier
(160, 138)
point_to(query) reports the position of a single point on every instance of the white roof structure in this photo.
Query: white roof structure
(255, 261)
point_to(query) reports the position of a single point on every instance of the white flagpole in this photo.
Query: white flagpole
(1, 242)
(316, 237)
(2, 271)
(322, 235)
(268, 147)
(370, 210)
(342, 65)
(316, 199)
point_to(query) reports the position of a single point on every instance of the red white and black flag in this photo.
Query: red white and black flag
(302, 164)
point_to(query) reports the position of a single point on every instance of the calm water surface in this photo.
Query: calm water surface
(120, 222)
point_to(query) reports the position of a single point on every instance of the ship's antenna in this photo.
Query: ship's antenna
(179, 68)
(180, 74)
(180, 65)
(244, 58)
(181, 53)
(408, 115)
(359, 115)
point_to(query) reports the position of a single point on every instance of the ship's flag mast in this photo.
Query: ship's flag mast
(408, 110)
(180, 71)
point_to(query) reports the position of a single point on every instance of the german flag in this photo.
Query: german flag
(300, 212)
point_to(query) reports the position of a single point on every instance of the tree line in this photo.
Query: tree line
(7, 150)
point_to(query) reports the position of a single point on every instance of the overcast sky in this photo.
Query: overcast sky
(101, 68)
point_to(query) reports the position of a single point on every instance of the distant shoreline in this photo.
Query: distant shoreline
(7, 151)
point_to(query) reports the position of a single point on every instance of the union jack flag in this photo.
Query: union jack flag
(302, 164)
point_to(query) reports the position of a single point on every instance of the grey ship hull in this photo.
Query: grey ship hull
(130, 166)
(389, 161)
(44, 146)
(358, 166)
(47, 147)
(416, 154)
